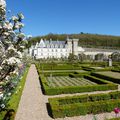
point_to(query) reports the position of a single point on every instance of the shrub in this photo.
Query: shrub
(77, 89)
(97, 80)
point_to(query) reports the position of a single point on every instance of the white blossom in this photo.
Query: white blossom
(14, 18)
(21, 16)
(2, 105)
(6, 33)
(9, 94)
(8, 25)
(12, 48)
(1, 96)
(15, 72)
(3, 3)
(19, 54)
(13, 60)
(21, 35)
(7, 78)
(0, 68)
(22, 47)
(19, 25)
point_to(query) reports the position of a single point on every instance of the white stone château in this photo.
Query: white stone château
(61, 49)
(55, 49)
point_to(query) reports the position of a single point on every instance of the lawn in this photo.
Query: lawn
(110, 74)
(62, 81)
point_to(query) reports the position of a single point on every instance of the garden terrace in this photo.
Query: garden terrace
(108, 75)
(84, 104)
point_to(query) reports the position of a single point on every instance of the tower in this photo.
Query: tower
(75, 46)
(69, 45)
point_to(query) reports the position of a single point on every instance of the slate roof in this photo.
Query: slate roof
(53, 44)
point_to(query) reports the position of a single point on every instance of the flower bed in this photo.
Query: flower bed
(84, 104)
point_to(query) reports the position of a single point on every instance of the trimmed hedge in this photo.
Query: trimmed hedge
(79, 74)
(82, 105)
(57, 66)
(88, 68)
(74, 89)
(88, 98)
(97, 80)
(57, 74)
(102, 86)
(106, 77)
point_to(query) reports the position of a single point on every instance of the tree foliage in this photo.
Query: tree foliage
(115, 57)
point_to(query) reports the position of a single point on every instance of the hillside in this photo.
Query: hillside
(85, 40)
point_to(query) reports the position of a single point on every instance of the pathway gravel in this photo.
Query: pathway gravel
(33, 104)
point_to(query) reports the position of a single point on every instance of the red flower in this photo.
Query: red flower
(116, 110)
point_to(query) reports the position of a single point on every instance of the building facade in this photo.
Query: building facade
(54, 49)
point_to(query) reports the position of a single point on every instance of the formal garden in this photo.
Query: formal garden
(80, 78)
(64, 87)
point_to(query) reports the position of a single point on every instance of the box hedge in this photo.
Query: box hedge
(74, 89)
(102, 86)
(84, 104)
(105, 77)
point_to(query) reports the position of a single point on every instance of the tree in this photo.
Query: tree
(82, 57)
(99, 56)
(72, 58)
(11, 46)
(115, 56)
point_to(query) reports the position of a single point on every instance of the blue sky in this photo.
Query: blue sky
(68, 16)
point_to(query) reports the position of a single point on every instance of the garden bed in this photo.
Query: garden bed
(66, 85)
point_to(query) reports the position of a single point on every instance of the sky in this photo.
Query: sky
(68, 16)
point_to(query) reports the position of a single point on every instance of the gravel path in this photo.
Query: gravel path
(33, 104)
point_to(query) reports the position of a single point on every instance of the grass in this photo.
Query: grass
(68, 81)
(15, 98)
(110, 74)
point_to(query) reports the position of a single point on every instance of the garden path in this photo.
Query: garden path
(33, 103)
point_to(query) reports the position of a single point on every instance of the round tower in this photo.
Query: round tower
(75, 46)
(69, 45)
